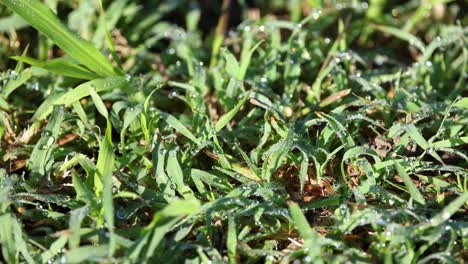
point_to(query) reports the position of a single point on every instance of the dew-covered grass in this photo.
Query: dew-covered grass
(279, 131)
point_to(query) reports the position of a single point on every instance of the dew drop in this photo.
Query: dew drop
(121, 214)
(35, 86)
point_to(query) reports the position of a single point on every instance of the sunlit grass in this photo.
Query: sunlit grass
(312, 131)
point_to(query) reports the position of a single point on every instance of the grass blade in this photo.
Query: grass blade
(103, 182)
(83, 254)
(14, 84)
(177, 125)
(222, 122)
(449, 210)
(231, 242)
(42, 150)
(43, 19)
(176, 175)
(414, 192)
(403, 35)
(63, 66)
(80, 92)
(421, 141)
(301, 222)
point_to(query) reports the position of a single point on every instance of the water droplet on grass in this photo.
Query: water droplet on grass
(122, 215)
(172, 95)
(35, 86)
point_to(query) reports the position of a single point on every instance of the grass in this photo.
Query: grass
(233, 132)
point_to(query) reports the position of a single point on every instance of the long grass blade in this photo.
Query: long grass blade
(43, 19)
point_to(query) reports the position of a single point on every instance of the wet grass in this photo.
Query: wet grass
(312, 131)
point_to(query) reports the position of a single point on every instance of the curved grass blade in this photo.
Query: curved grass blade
(421, 141)
(160, 225)
(54, 250)
(43, 19)
(449, 210)
(414, 192)
(41, 152)
(177, 125)
(210, 179)
(176, 174)
(98, 103)
(79, 92)
(224, 120)
(63, 66)
(130, 115)
(11, 239)
(91, 253)
(403, 35)
(339, 129)
(14, 84)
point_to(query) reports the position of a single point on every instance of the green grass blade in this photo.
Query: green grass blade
(246, 56)
(421, 141)
(76, 218)
(43, 19)
(450, 143)
(231, 242)
(462, 103)
(177, 125)
(110, 42)
(42, 150)
(55, 249)
(232, 65)
(339, 129)
(63, 66)
(301, 222)
(175, 173)
(224, 120)
(98, 102)
(414, 192)
(210, 179)
(14, 84)
(129, 116)
(92, 253)
(403, 35)
(19, 241)
(160, 225)
(103, 178)
(80, 92)
(449, 210)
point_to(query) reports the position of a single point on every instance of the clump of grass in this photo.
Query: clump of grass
(318, 132)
